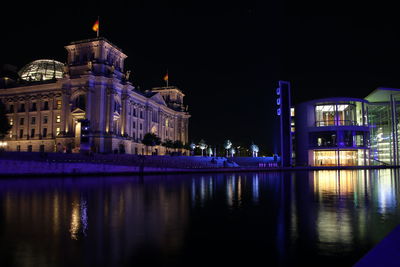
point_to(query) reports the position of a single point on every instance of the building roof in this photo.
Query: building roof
(382, 94)
(96, 39)
(335, 99)
(41, 70)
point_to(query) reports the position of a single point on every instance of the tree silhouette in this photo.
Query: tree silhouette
(151, 139)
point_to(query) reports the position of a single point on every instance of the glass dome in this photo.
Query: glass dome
(41, 70)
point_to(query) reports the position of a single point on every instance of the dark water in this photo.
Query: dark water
(321, 218)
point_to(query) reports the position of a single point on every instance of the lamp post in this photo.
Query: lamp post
(227, 146)
(3, 145)
(202, 146)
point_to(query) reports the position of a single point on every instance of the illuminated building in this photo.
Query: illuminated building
(52, 106)
(348, 131)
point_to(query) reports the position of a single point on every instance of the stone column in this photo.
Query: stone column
(65, 109)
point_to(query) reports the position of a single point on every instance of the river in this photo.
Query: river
(320, 218)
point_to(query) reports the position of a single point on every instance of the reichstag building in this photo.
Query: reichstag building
(88, 104)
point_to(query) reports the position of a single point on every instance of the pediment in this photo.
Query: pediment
(158, 99)
(78, 111)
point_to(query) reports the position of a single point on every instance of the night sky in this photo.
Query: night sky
(227, 59)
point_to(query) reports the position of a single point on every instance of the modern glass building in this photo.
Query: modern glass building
(332, 132)
(383, 118)
(349, 131)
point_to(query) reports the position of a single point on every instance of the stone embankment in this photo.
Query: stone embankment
(25, 163)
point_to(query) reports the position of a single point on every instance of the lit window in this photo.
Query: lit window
(11, 121)
(58, 130)
(58, 118)
(58, 104)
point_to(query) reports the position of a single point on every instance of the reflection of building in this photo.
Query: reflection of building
(50, 103)
(348, 131)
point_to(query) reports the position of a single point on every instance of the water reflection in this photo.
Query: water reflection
(172, 220)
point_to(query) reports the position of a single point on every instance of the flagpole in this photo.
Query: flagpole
(98, 27)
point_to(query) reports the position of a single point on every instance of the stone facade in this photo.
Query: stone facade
(49, 115)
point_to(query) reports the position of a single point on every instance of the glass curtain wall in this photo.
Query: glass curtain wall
(397, 126)
(381, 139)
(356, 157)
(341, 114)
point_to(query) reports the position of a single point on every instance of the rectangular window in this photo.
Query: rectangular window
(11, 110)
(44, 132)
(18, 148)
(32, 133)
(21, 133)
(140, 126)
(46, 105)
(11, 121)
(58, 118)
(30, 148)
(33, 120)
(154, 116)
(33, 108)
(41, 148)
(134, 112)
(21, 121)
(360, 140)
(58, 104)
(58, 130)
(134, 135)
(325, 115)
(323, 139)
(45, 119)
(22, 108)
(141, 114)
(134, 124)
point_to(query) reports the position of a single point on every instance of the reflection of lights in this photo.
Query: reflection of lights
(56, 217)
(210, 186)
(202, 190)
(255, 188)
(229, 191)
(239, 190)
(75, 221)
(386, 194)
(330, 183)
(84, 216)
(193, 191)
(334, 222)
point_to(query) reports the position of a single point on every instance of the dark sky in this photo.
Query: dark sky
(226, 58)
